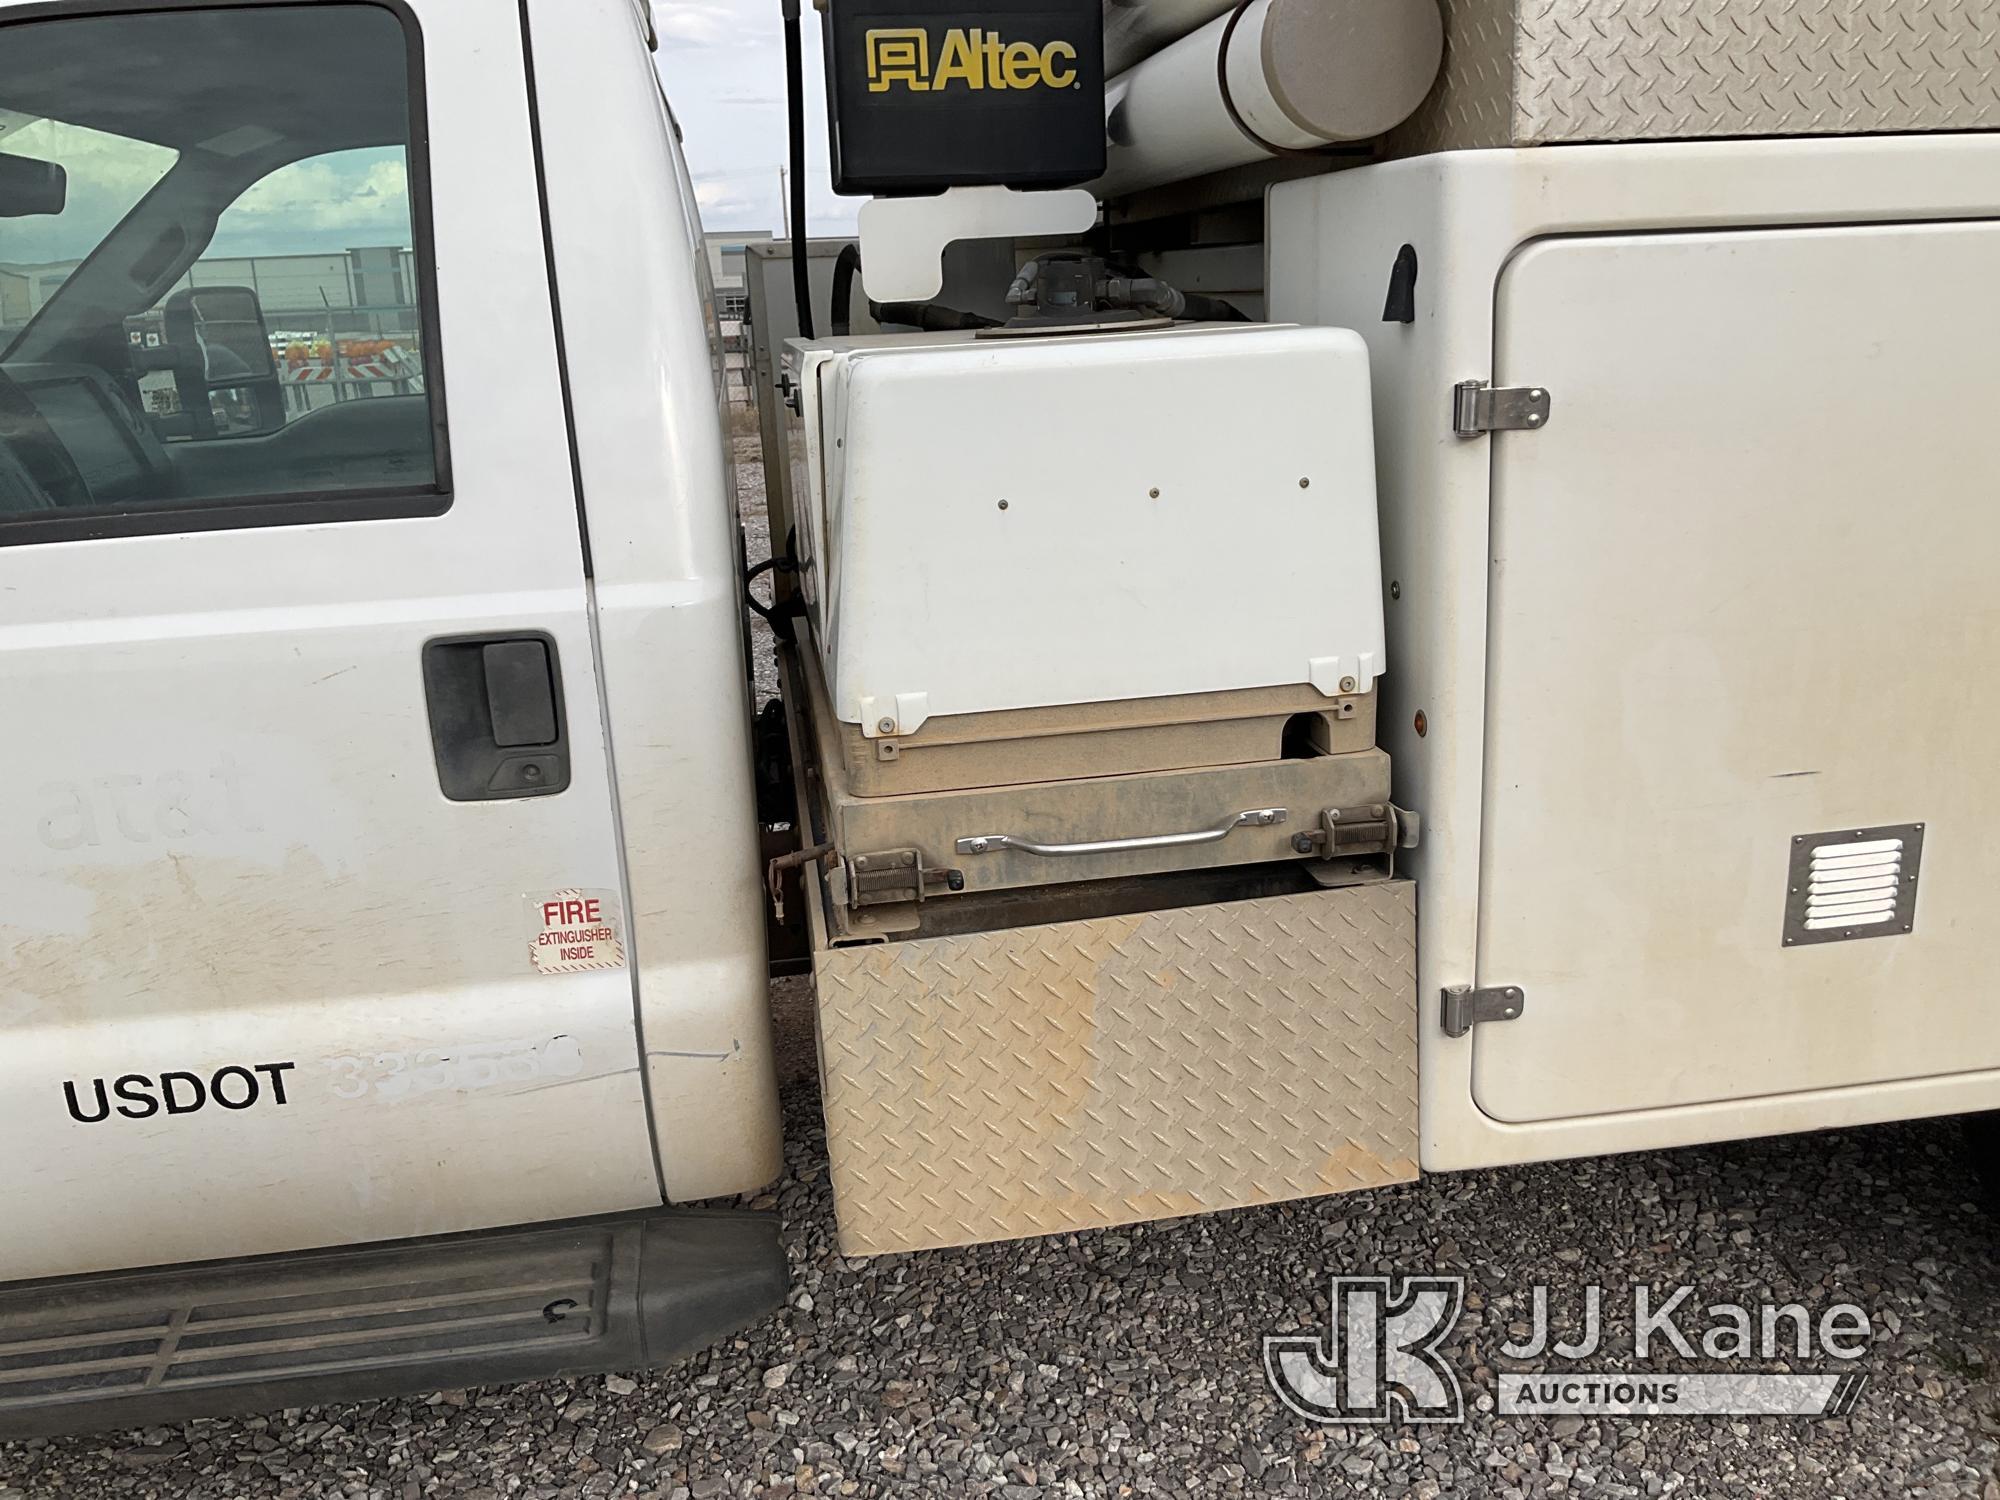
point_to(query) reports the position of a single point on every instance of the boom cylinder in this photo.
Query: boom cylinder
(1301, 74)
(1135, 29)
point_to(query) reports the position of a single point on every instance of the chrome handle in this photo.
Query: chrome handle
(1257, 817)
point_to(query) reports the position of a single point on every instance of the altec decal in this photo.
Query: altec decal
(140, 1096)
(968, 57)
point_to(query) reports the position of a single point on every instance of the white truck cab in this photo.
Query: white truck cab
(380, 862)
(391, 869)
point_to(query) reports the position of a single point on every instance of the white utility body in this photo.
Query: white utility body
(1248, 740)
(1731, 595)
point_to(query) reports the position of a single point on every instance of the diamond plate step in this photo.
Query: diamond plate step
(1082, 1074)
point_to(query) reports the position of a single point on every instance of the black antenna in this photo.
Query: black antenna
(795, 112)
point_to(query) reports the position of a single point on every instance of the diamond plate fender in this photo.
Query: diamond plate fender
(1082, 1074)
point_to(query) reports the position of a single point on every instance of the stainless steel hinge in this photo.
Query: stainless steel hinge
(1478, 408)
(1465, 1007)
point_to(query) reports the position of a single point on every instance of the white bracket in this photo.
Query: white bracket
(903, 239)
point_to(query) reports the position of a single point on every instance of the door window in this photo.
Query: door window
(215, 287)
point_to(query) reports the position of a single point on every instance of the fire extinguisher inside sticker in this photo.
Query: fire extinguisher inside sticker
(572, 930)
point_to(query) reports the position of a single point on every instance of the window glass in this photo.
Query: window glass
(342, 325)
(106, 175)
(211, 292)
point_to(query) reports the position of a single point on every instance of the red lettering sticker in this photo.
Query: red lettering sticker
(570, 931)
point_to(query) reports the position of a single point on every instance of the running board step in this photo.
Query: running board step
(132, 1348)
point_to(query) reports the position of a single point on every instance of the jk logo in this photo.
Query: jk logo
(1379, 1356)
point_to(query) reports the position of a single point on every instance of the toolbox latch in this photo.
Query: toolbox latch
(893, 876)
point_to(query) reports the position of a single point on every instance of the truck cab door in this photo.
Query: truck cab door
(311, 927)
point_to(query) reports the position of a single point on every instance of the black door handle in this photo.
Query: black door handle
(497, 722)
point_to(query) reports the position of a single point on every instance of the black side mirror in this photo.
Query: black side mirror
(228, 377)
(30, 188)
(227, 324)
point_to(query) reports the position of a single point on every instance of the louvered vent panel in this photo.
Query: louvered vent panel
(1853, 883)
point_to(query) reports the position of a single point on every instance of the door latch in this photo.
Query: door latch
(1478, 408)
(1466, 1007)
(497, 724)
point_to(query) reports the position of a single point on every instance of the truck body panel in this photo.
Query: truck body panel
(1466, 215)
(644, 367)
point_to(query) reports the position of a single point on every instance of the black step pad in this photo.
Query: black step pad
(134, 1348)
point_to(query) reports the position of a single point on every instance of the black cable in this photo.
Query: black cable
(928, 316)
(795, 122)
(1203, 309)
(781, 613)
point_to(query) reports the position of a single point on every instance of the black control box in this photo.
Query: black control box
(924, 96)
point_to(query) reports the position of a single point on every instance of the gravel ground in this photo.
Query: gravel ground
(1127, 1363)
(757, 547)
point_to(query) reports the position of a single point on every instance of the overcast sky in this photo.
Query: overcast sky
(724, 66)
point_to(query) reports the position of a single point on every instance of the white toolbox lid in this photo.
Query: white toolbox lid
(1015, 523)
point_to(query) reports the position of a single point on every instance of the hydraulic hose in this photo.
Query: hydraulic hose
(928, 316)
(844, 266)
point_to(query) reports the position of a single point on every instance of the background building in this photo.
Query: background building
(313, 302)
(342, 326)
(363, 291)
(726, 270)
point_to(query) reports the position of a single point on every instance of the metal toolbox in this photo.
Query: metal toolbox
(1567, 71)
(884, 858)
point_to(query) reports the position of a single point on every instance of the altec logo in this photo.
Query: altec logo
(969, 57)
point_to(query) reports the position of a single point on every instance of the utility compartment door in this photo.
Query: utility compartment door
(1742, 592)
